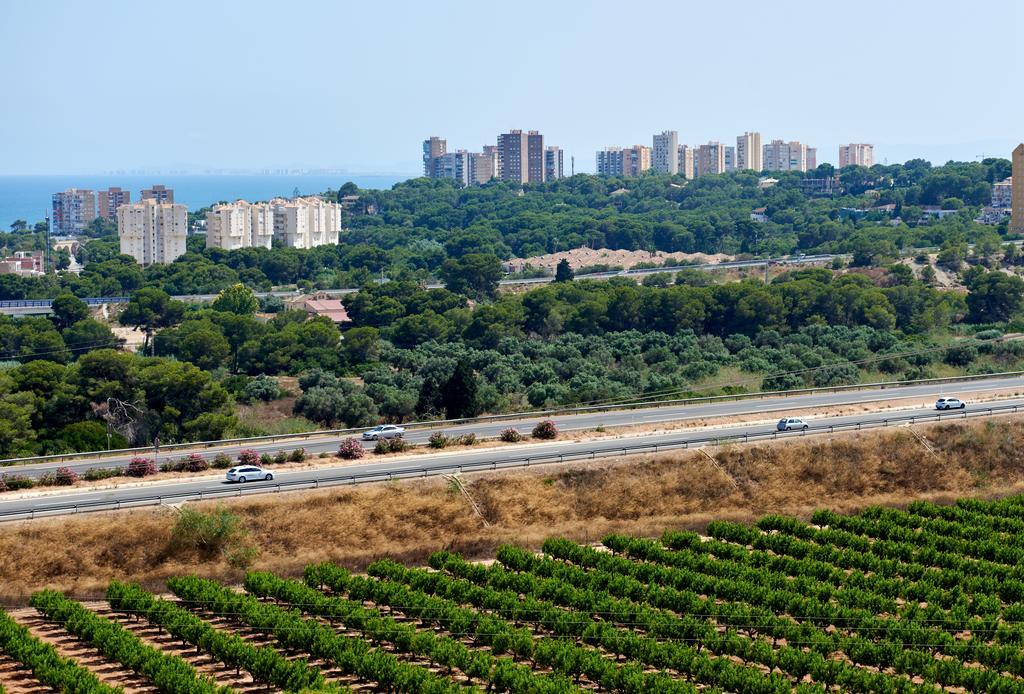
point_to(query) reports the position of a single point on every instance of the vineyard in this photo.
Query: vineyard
(928, 599)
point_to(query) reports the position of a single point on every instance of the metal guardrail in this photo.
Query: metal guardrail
(440, 423)
(413, 472)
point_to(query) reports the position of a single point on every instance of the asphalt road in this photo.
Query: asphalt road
(576, 422)
(449, 460)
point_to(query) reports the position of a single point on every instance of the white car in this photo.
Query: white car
(384, 431)
(950, 404)
(791, 424)
(244, 473)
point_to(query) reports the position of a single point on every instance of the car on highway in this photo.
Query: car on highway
(384, 431)
(245, 473)
(950, 404)
(791, 424)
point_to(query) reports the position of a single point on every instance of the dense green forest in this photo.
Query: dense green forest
(422, 223)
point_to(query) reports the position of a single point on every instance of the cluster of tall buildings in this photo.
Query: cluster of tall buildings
(518, 156)
(75, 208)
(666, 155)
(297, 223)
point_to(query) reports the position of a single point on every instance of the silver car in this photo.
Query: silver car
(950, 404)
(791, 424)
(384, 431)
(244, 473)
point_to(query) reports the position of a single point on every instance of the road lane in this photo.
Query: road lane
(174, 491)
(578, 422)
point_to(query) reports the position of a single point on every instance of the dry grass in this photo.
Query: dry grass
(643, 496)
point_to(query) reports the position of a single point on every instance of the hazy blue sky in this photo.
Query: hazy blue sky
(104, 85)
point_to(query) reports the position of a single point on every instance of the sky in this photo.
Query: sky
(94, 87)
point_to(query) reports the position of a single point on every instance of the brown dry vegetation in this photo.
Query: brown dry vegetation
(639, 495)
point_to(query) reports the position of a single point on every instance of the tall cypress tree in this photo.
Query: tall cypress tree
(459, 395)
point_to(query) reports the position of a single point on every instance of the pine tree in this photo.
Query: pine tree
(564, 273)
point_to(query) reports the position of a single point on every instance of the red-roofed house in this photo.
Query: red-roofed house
(320, 304)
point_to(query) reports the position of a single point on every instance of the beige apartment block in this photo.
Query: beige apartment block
(748, 152)
(710, 159)
(159, 193)
(619, 161)
(153, 233)
(109, 200)
(665, 152)
(73, 210)
(856, 154)
(779, 155)
(306, 222)
(686, 162)
(240, 224)
(1017, 191)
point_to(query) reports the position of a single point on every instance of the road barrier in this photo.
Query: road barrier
(441, 423)
(419, 471)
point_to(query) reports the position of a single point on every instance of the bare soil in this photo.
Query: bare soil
(585, 257)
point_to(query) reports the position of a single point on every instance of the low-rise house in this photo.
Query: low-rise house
(759, 215)
(319, 304)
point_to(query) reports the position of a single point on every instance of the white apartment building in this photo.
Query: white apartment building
(856, 154)
(152, 232)
(665, 153)
(785, 156)
(240, 225)
(748, 152)
(306, 222)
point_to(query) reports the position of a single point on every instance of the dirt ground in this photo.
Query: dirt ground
(638, 495)
(585, 257)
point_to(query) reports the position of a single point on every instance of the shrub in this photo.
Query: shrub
(988, 334)
(194, 463)
(382, 447)
(169, 466)
(437, 440)
(222, 461)
(102, 473)
(298, 455)
(467, 439)
(397, 445)
(61, 477)
(266, 460)
(545, 430)
(140, 467)
(263, 388)
(10, 483)
(248, 457)
(510, 435)
(218, 531)
(351, 449)
(280, 458)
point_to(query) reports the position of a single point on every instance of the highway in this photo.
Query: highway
(446, 460)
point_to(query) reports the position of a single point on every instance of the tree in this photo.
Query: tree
(475, 274)
(19, 225)
(89, 334)
(459, 397)
(360, 345)
(151, 308)
(347, 188)
(63, 261)
(67, 310)
(994, 297)
(340, 403)
(563, 272)
(237, 299)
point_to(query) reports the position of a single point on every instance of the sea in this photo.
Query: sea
(28, 197)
